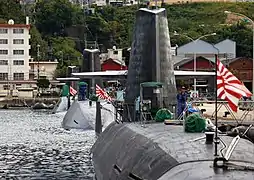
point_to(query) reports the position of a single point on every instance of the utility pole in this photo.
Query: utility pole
(61, 52)
(38, 63)
(85, 39)
(38, 67)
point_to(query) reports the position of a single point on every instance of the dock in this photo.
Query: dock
(27, 102)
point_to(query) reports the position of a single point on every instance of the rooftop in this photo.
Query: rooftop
(155, 11)
(14, 26)
(43, 62)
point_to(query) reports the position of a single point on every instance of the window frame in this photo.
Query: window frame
(2, 31)
(19, 77)
(14, 31)
(18, 50)
(3, 64)
(18, 60)
(3, 76)
(6, 41)
(4, 50)
(23, 41)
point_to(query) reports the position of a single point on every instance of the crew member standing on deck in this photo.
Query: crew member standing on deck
(181, 101)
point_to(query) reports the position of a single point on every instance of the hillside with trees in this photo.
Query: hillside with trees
(61, 28)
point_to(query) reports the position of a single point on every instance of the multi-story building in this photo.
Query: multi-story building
(46, 69)
(159, 2)
(14, 53)
(87, 3)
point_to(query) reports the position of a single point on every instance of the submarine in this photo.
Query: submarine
(138, 150)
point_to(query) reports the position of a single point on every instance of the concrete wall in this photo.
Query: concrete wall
(25, 93)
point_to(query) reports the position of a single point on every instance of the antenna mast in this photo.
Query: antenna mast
(216, 105)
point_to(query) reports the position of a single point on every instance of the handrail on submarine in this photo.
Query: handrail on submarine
(224, 159)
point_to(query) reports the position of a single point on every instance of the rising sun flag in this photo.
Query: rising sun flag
(230, 88)
(102, 94)
(73, 92)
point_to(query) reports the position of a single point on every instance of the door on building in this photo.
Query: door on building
(248, 85)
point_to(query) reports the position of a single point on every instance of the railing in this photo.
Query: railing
(4, 93)
(209, 95)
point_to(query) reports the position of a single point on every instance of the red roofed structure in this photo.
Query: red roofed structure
(113, 64)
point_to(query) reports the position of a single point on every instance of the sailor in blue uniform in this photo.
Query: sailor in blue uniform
(137, 108)
(181, 101)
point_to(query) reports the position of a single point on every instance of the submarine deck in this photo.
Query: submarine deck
(128, 150)
(180, 145)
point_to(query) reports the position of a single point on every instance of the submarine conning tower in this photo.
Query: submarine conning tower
(150, 60)
(91, 63)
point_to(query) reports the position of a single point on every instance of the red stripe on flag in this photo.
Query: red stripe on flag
(102, 94)
(73, 92)
(229, 87)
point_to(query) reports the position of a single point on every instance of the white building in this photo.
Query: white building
(46, 69)
(14, 53)
(131, 2)
(100, 2)
(225, 49)
(115, 53)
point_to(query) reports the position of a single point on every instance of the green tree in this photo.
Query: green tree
(11, 9)
(43, 84)
(61, 71)
(64, 50)
(242, 35)
(36, 39)
(114, 26)
(52, 17)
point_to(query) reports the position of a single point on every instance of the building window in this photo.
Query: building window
(3, 41)
(18, 76)
(3, 76)
(3, 51)
(18, 52)
(3, 62)
(18, 62)
(115, 52)
(18, 31)
(18, 41)
(3, 31)
(6, 87)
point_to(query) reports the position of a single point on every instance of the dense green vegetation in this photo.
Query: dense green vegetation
(61, 28)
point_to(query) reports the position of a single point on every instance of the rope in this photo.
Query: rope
(162, 114)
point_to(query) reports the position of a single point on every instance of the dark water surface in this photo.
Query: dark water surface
(34, 146)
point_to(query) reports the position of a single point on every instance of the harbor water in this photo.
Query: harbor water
(34, 146)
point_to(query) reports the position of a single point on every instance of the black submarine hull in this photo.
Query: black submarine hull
(120, 153)
(158, 151)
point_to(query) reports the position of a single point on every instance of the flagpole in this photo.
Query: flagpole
(69, 95)
(216, 105)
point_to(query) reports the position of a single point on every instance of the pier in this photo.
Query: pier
(26, 102)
